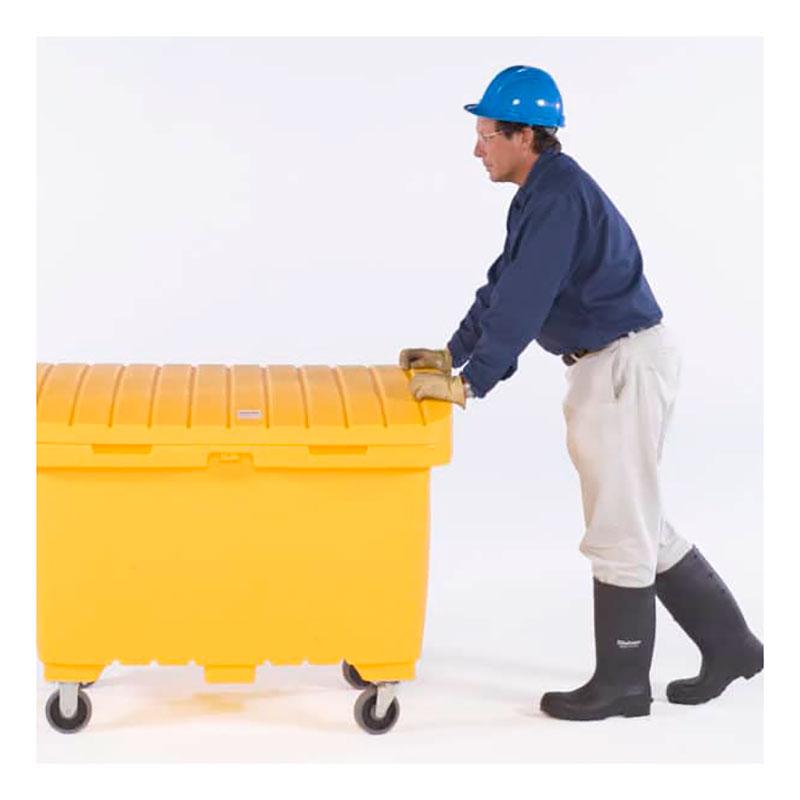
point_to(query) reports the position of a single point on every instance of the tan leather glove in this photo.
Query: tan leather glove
(421, 358)
(439, 387)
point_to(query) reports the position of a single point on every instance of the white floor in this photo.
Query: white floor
(463, 707)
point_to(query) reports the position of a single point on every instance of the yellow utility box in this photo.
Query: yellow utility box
(231, 516)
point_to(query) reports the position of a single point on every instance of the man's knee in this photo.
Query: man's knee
(619, 566)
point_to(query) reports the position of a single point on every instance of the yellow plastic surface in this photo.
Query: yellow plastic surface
(233, 516)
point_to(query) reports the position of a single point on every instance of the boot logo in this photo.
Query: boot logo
(628, 644)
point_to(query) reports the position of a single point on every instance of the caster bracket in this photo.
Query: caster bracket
(68, 699)
(387, 691)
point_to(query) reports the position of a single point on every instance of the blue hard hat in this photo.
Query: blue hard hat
(522, 94)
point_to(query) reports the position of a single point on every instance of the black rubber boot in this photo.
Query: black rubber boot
(624, 630)
(704, 607)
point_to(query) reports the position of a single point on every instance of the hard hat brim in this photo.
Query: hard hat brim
(475, 108)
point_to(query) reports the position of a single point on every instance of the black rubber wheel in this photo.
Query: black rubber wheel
(364, 712)
(69, 724)
(352, 677)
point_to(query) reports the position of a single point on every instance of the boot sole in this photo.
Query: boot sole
(696, 700)
(754, 672)
(633, 707)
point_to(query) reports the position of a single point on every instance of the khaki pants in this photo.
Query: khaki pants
(617, 409)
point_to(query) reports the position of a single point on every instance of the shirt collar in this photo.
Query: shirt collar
(536, 169)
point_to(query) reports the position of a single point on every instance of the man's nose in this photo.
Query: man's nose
(477, 150)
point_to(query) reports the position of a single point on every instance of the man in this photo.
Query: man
(570, 277)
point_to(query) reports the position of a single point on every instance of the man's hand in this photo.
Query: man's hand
(439, 387)
(420, 358)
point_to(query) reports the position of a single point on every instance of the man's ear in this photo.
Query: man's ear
(527, 137)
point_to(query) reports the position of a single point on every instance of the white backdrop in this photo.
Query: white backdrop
(314, 201)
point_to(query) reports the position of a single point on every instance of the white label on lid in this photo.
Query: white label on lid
(248, 413)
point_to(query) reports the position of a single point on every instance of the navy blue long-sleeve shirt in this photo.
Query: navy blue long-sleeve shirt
(570, 276)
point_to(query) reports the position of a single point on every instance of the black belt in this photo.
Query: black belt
(570, 358)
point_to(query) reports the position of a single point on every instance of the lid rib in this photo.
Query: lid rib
(114, 394)
(228, 397)
(379, 391)
(153, 389)
(47, 371)
(192, 371)
(337, 375)
(84, 373)
(303, 392)
(265, 391)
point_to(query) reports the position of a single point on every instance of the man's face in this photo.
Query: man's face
(503, 158)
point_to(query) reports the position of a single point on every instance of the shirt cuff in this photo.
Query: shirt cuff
(457, 351)
(477, 391)
(480, 389)
(468, 390)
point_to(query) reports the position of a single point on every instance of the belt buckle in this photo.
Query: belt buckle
(571, 358)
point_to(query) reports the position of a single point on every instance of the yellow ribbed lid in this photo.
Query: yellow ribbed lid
(252, 404)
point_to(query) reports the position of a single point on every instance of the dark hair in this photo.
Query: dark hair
(543, 138)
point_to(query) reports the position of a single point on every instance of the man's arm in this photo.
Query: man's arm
(526, 290)
(463, 341)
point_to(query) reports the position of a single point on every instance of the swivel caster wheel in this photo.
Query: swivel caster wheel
(68, 709)
(352, 677)
(377, 709)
